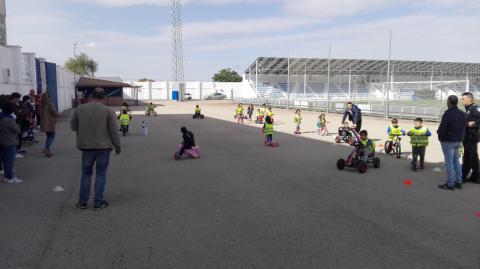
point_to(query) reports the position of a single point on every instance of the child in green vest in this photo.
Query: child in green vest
(368, 146)
(268, 131)
(393, 130)
(419, 141)
(124, 120)
(298, 121)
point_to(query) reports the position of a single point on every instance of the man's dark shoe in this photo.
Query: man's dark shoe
(102, 205)
(458, 186)
(473, 179)
(81, 205)
(446, 187)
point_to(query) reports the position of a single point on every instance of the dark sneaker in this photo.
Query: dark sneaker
(475, 180)
(458, 185)
(446, 187)
(81, 205)
(102, 205)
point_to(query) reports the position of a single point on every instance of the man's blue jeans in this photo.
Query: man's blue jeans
(100, 158)
(452, 162)
(7, 157)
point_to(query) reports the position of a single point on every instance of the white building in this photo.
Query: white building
(22, 72)
(166, 90)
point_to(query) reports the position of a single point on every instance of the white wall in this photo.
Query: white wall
(162, 90)
(13, 70)
(65, 88)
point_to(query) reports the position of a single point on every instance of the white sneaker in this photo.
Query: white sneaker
(2, 172)
(18, 156)
(14, 181)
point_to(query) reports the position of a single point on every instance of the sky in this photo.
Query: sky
(131, 38)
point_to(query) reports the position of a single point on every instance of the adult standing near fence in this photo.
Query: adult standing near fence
(450, 134)
(97, 134)
(471, 139)
(354, 115)
(48, 114)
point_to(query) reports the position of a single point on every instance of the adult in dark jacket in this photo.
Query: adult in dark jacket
(354, 115)
(19, 119)
(9, 131)
(450, 134)
(471, 139)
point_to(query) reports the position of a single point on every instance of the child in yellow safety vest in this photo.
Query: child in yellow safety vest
(125, 119)
(268, 131)
(322, 125)
(239, 113)
(298, 121)
(419, 141)
(259, 116)
(368, 146)
(198, 111)
(393, 131)
(269, 113)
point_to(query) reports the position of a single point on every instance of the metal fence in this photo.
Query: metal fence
(368, 107)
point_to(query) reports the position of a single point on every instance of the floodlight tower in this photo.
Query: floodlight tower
(3, 24)
(177, 42)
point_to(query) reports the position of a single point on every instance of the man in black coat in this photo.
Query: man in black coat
(471, 139)
(450, 134)
(354, 114)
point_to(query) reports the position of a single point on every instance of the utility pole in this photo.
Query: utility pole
(177, 41)
(387, 109)
(328, 77)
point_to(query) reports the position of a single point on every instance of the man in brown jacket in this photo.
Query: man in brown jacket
(97, 135)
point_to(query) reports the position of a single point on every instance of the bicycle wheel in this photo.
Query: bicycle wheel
(398, 150)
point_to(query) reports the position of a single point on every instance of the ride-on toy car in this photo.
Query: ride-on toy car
(344, 135)
(356, 158)
(198, 116)
(194, 153)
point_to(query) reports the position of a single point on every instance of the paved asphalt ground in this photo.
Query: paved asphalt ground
(241, 205)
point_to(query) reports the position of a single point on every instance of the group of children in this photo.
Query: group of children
(418, 134)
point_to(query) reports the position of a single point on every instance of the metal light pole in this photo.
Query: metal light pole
(328, 77)
(288, 83)
(305, 82)
(387, 110)
(177, 41)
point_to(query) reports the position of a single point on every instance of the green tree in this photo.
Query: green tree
(146, 80)
(82, 65)
(227, 75)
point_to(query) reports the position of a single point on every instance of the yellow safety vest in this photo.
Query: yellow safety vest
(239, 110)
(368, 144)
(298, 119)
(124, 119)
(198, 110)
(419, 137)
(268, 130)
(393, 132)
